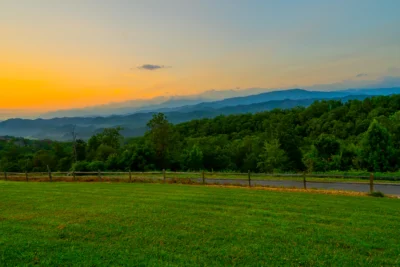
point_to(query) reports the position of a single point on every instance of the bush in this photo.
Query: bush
(377, 194)
(80, 166)
(96, 166)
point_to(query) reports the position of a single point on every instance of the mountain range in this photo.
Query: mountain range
(177, 110)
(161, 102)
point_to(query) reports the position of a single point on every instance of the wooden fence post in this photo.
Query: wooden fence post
(203, 176)
(249, 178)
(164, 175)
(99, 175)
(371, 183)
(73, 174)
(130, 176)
(304, 181)
(5, 176)
(26, 176)
(49, 172)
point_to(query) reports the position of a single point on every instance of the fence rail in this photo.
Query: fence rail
(297, 180)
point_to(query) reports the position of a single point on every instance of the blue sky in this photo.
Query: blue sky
(82, 52)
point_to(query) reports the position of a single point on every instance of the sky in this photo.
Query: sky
(77, 53)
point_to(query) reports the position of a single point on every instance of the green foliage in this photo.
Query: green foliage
(111, 137)
(194, 158)
(112, 162)
(80, 150)
(324, 137)
(104, 151)
(273, 157)
(327, 145)
(377, 194)
(95, 166)
(377, 148)
(80, 166)
(161, 137)
(64, 164)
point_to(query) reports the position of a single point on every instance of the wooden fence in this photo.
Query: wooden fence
(249, 179)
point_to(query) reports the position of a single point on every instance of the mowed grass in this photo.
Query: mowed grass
(118, 224)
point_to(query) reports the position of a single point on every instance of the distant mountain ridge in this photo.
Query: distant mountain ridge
(292, 94)
(215, 98)
(140, 105)
(135, 124)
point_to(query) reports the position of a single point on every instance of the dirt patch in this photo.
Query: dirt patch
(61, 226)
(316, 191)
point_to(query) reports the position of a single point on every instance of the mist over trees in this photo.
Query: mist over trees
(326, 136)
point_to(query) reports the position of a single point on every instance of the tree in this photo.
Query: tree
(112, 163)
(80, 147)
(377, 148)
(327, 145)
(95, 166)
(273, 157)
(311, 159)
(111, 137)
(104, 151)
(92, 146)
(143, 157)
(160, 134)
(42, 159)
(73, 134)
(194, 158)
(80, 166)
(324, 154)
(64, 164)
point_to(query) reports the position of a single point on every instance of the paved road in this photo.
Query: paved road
(391, 189)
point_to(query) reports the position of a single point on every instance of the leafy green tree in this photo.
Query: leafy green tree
(327, 146)
(42, 159)
(160, 135)
(311, 159)
(80, 166)
(112, 163)
(64, 164)
(80, 149)
(111, 137)
(104, 151)
(273, 157)
(377, 148)
(194, 158)
(95, 166)
(92, 146)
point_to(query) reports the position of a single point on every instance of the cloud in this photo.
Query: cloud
(152, 67)
(361, 75)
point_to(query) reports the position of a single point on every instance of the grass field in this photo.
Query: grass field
(116, 224)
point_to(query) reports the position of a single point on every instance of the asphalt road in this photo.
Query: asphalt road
(391, 189)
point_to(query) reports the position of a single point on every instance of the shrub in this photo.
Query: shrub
(96, 166)
(377, 194)
(80, 166)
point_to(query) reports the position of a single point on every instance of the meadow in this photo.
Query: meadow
(138, 224)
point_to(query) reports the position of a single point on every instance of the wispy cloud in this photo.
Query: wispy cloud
(361, 75)
(152, 67)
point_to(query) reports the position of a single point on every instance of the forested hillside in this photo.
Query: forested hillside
(135, 124)
(327, 135)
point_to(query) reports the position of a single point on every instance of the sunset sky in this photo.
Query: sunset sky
(65, 54)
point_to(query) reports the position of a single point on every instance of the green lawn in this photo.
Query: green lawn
(105, 224)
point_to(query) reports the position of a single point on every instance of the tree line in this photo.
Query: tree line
(327, 136)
